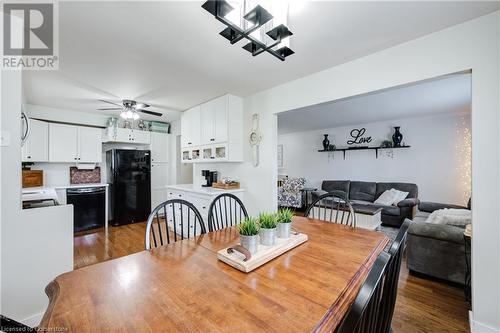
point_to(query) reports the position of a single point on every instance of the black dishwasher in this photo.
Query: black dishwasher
(89, 206)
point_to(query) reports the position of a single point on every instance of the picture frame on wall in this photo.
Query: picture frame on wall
(280, 156)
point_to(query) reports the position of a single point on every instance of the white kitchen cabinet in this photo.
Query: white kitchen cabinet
(213, 121)
(126, 135)
(200, 197)
(89, 145)
(63, 143)
(160, 173)
(219, 123)
(160, 179)
(190, 127)
(68, 143)
(36, 148)
(159, 147)
(157, 197)
(142, 137)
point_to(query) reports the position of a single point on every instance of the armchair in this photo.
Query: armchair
(436, 250)
(289, 194)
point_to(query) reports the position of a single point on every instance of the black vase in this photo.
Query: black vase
(326, 142)
(397, 137)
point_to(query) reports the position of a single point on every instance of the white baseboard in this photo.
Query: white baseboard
(477, 327)
(33, 321)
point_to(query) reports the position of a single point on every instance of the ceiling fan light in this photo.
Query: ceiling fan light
(135, 115)
(123, 114)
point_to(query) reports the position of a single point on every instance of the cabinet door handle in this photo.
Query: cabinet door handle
(29, 156)
(212, 139)
(76, 158)
(190, 143)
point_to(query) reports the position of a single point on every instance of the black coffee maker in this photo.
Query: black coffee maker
(210, 177)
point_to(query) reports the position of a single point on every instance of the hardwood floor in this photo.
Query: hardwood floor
(422, 306)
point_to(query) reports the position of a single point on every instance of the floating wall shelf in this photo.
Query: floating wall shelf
(343, 150)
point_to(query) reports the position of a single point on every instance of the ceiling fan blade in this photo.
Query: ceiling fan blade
(150, 112)
(105, 101)
(141, 105)
(110, 109)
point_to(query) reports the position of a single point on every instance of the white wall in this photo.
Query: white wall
(471, 45)
(435, 161)
(36, 244)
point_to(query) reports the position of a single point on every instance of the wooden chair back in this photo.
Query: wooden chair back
(225, 211)
(332, 207)
(172, 220)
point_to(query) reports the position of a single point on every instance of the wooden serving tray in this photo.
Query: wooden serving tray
(263, 255)
(233, 186)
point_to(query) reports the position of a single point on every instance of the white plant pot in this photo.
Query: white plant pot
(250, 243)
(267, 236)
(284, 230)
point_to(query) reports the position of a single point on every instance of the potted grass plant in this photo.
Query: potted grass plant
(284, 222)
(249, 234)
(267, 232)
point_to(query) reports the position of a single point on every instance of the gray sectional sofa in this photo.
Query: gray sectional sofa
(362, 194)
(436, 250)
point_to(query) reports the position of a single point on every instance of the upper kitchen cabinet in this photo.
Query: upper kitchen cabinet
(68, 143)
(126, 135)
(218, 126)
(190, 127)
(159, 147)
(89, 145)
(36, 148)
(213, 121)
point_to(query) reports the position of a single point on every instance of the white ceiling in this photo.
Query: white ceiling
(449, 94)
(169, 54)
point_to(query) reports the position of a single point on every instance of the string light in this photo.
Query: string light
(464, 152)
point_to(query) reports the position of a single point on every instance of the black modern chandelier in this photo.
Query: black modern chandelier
(256, 17)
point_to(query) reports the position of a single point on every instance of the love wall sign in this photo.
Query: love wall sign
(358, 138)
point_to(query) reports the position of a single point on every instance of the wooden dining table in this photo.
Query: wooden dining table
(184, 287)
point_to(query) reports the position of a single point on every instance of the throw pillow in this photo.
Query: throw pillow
(399, 196)
(387, 198)
(451, 216)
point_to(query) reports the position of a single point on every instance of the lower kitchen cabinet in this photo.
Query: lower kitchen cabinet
(201, 198)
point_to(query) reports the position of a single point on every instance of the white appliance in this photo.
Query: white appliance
(25, 128)
(34, 198)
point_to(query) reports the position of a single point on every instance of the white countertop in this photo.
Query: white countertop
(62, 187)
(202, 190)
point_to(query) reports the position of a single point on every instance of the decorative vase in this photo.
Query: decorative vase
(326, 142)
(250, 243)
(284, 230)
(397, 137)
(267, 236)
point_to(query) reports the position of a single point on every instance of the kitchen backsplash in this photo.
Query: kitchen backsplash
(84, 176)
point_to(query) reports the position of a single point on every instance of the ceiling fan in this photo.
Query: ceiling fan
(130, 109)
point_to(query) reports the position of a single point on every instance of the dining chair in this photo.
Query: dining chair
(363, 313)
(390, 291)
(180, 220)
(335, 207)
(225, 211)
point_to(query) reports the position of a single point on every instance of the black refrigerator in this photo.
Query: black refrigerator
(129, 178)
